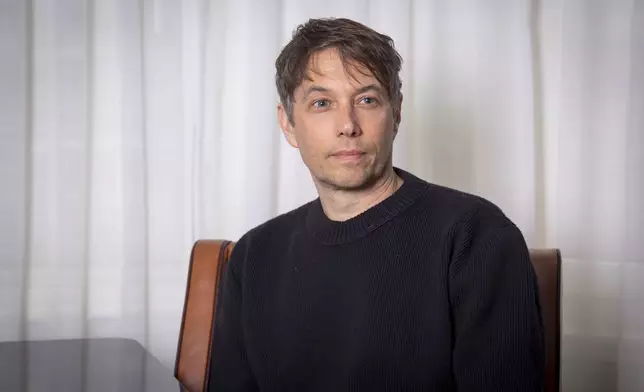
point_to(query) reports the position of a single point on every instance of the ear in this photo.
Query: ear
(286, 126)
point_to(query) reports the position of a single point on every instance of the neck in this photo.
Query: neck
(341, 205)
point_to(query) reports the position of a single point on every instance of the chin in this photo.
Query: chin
(348, 178)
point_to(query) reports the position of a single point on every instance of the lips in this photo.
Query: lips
(348, 153)
(348, 156)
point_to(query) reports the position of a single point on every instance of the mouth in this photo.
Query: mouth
(348, 155)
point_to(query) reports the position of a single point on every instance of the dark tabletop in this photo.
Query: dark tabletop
(88, 365)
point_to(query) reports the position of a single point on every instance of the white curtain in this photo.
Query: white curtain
(128, 130)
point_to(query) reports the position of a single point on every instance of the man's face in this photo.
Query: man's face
(343, 123)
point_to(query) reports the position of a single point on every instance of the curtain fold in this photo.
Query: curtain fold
(128, 130)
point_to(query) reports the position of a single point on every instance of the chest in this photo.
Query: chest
(351, 312)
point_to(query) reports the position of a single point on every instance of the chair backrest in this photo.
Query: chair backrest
(207, 261)
(547, 266)
(209, 257)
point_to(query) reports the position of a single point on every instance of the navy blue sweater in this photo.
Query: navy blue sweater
(430, 290)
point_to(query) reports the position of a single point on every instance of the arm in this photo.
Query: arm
(498, 333)
(229, 369)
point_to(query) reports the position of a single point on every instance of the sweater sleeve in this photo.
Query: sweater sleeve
(498, 333)
(229, 368)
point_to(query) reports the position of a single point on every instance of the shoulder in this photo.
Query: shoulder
(280, 225)
(457, 209)
(469, 212)
(465, 218)
(264, 236)
(478, 235)
(476, 226)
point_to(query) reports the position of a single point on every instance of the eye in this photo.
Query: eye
(369, 100)
(320, 103)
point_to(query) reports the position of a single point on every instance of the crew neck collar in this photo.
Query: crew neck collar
(330, 232)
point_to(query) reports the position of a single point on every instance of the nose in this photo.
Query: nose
(348, 124)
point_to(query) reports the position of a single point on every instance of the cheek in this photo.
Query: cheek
(315, 136)
(378, 126)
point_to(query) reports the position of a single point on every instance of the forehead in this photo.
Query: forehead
(326, 67)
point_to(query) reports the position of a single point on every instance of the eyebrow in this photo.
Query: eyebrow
(363, 89)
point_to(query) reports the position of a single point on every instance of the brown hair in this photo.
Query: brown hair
(355, 43)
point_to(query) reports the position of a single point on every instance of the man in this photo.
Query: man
(385, 282)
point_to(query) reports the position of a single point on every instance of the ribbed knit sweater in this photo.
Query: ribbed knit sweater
(430, 290)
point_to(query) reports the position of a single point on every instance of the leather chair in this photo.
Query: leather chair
(208, 259)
